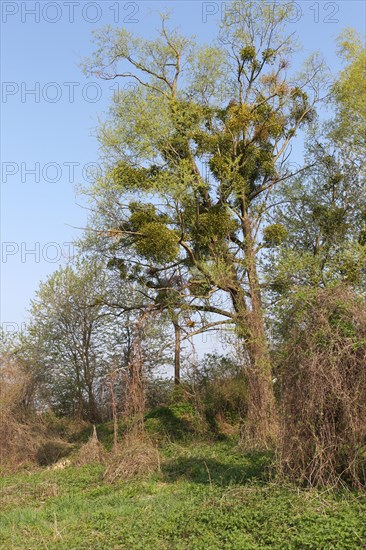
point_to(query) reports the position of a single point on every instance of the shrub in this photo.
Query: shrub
(158, 392)
(323, 389)
(20, 435)
(222, 388)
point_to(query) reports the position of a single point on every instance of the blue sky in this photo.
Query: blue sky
(50, 131)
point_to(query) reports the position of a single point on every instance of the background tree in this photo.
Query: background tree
(318, 235)
(349, 91)
(68, 329)
(81, 330)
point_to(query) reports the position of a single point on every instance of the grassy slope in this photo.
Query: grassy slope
(207, 496)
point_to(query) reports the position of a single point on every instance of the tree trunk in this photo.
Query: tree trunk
(262, 422)
(93, 412)
(177, 336)
(114, 411)
(79, 390)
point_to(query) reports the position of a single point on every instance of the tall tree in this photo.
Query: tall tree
(194, 172)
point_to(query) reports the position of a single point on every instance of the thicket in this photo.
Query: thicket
(322, 375)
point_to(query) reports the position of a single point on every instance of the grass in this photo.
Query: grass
(207, 496)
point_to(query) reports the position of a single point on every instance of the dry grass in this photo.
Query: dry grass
(93, 452)
(135, 456)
